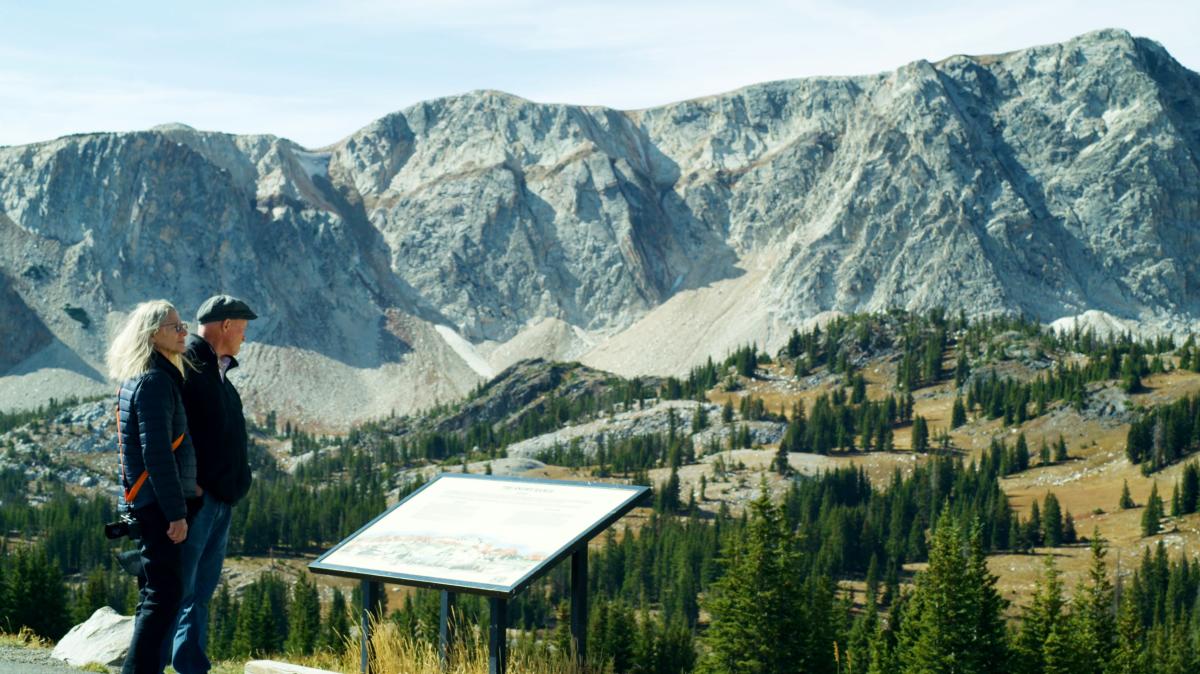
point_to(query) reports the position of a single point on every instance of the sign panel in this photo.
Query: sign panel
(479, 533)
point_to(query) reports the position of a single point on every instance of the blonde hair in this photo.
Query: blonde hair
(131, 351)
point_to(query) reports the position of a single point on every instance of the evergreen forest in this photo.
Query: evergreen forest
(838, 570)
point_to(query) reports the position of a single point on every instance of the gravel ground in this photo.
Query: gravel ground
(16, 660)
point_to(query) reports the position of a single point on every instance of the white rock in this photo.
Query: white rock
(275, 667)
(103, 638)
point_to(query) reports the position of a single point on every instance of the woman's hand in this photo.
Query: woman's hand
(177, 531)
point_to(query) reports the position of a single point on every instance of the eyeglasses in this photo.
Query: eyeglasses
(180, 327)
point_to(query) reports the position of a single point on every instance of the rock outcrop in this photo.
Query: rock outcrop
(101, 639)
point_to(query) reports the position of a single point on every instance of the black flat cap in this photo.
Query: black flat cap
(223, 307)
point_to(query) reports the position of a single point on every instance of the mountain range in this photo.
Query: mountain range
(442, 243)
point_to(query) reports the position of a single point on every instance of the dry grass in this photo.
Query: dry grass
(1167, 387)
(1088, 485)
(24, 638)
(394, 651)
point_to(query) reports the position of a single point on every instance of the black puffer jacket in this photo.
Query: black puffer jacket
(217, 424)
(151, 418)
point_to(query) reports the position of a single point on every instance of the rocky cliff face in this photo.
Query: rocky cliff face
(443, 242)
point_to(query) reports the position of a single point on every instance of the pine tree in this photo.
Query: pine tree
(920, 435)
(1174, 648)
(883, 645)
(93, 595)
(1058, 657)
(1153, 514)
(1130, 656)
(700, 418)
(1137, 442)
(621, 636)
(954, 620)
(262, 617)
(989, 635)
(858, 644)
(780, 463)
(1189, 492)
(1052, 525)
(599, 628)
(1132, 382)
(337, 625)
(675, 648)
(1034, 525)
(222, 620)
(1060, 450)
(755, 613)
(644, 640)
(250, 635)
(667, 494)
(37, 596)
(1092, 622)
(745, 439)
(304, 618)
(962, 370)
(1021, 454)
(1126, 500)
(562, 628)
(958, 414)
(1040, 618)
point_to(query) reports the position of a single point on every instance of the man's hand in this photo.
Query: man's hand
(177, 532)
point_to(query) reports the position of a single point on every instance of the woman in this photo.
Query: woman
(158, 466)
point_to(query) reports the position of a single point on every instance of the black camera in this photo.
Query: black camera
(126, 526)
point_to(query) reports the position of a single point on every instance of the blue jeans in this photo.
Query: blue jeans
(203, 554)
(160, 585)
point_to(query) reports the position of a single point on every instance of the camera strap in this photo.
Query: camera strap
(132, 492)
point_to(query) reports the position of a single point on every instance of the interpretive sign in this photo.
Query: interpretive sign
(478, 533)
(486, 535)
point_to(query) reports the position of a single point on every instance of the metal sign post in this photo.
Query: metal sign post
(498, 636)
(579, 602)
(445, 628)
(372, 601)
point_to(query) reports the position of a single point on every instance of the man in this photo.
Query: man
(218, 432)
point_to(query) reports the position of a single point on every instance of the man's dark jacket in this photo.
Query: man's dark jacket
(150, 418)
(216, 425)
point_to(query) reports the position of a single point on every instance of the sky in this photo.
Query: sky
(315, 72)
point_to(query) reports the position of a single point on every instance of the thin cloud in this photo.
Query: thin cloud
(131, 106)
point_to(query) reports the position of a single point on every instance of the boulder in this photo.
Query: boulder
(103, 638)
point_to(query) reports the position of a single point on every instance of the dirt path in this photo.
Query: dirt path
(15, 660)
